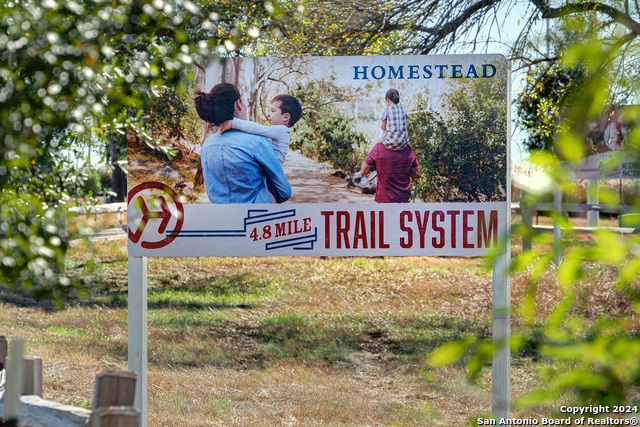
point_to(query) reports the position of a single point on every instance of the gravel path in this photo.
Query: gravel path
(314, 182)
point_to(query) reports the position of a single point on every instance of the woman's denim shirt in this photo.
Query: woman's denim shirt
(242, 168)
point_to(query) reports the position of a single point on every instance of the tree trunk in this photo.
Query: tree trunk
(118, 179)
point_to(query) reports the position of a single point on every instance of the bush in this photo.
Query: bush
(106, 178)
(463, 156)
(92, 185)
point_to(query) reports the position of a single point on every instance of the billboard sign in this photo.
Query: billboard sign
(452, 165)
(609, 165)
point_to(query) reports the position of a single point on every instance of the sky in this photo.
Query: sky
(511, 24)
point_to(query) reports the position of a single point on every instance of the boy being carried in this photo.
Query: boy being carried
(394, 122)
(395, 162)
(284, 112)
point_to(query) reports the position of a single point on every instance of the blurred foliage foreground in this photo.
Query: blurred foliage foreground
(72, 71)
(588, 361)
(80, 74)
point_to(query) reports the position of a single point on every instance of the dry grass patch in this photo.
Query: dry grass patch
(288, 393)
(289, 341)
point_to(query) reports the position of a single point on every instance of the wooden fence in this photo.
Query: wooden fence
(22, 403)
(628, 219)
(114, 232)
(119, 208)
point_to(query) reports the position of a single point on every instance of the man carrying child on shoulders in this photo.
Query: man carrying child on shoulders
(394, 160)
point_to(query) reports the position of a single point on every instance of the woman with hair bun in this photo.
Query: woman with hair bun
(238, 167)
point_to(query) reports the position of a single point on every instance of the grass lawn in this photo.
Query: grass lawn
(289, 341)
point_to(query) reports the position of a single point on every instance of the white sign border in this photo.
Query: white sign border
(501, 366)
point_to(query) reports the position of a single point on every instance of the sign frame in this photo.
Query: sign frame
(501, 290)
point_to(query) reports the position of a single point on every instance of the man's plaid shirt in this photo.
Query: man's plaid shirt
(395, 136)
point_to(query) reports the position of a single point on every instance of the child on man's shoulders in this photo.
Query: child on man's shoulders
(394, 160)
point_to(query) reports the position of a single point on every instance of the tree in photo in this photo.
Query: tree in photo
(324, 132)
(463, 154)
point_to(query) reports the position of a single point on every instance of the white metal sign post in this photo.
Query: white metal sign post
(137, 347)
(501, 367)
(161, 224)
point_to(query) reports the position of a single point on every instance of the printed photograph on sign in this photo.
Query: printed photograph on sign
(611, 130)
(389, 155)
(387, 129)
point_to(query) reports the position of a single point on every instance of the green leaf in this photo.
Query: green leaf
(610, 247)
(482, 356)
(629, 272)
(450, 353)
(571, 148)
(571, 268)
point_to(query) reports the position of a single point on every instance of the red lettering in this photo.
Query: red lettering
(373, 229)
(408, 242)
(307, 224)
(360, 232)
(453, 227)
(466, 229)
(327, 228)
(341, 230)
(438, 216)
(354, 234)
(280, 229)
(296, 229)
(422, 227)
(382, 245)
(489, 233)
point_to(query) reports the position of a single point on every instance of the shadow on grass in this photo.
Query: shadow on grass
(293, 335)
(304, 339)
(242, 290)
(20, 298)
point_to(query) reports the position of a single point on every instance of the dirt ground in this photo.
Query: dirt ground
(312, 182)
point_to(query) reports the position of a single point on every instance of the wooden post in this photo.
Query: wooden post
(557, 231)
(114, 388)
(32, 376)
(115, 416)
(14, 383)
(113, 400)
(527, 219)
(593, 217)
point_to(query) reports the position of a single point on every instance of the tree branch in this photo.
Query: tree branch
(572, 8)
